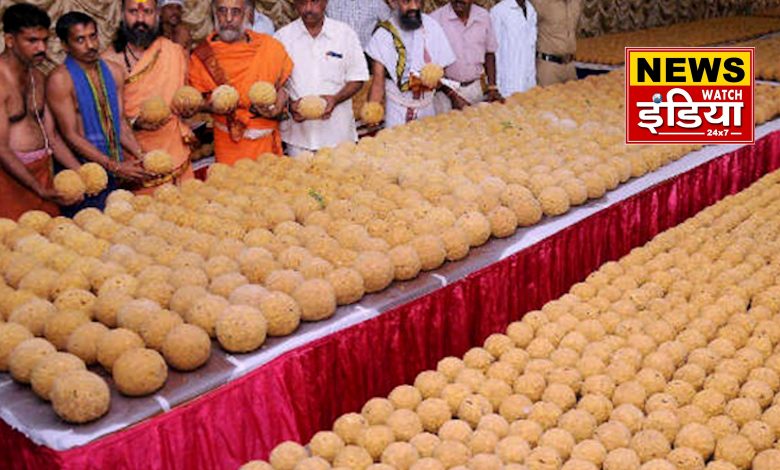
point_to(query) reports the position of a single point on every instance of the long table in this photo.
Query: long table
(239, 407)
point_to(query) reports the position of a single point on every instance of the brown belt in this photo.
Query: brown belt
(557, 59)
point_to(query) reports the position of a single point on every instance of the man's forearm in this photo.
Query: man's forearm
(85, 149)
(490, 68)
(14, 167)
(128, 141)
(348, 91)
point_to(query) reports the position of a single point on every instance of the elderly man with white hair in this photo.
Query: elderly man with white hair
(400, 48)
(235, 55)
(171, 24)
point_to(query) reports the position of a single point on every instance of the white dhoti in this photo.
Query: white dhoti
(401, 107)
(472, 93)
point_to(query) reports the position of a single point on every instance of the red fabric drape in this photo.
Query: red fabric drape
(303, 391)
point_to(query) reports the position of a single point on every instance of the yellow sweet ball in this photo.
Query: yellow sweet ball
(590, 450)
(377, 270)
(427, 463)
(431, 74)
(405, 424)
(476, 226)
(83, 342)
(326, 444)
(430, 250)
(425, 443)
(114, 343)
(135, 313)
(400, 455)
(24, 357)
(455, 430)
(154, 111)
(543, 458)
(316, 299)
(36, 220)
(760, 434)
(512, 449)
(613, 435)
(580, 424)
(49, 367)
(312, 107)
(348, 284)
(158, 162)
(187, 97)
(107, 306)
(33, 315)
(452, 453)
(767, 460)
(312, 463)
(554, 200)
(663, 420)
(406, 261)
(186, 347)
(224, 99)
(622, 459)
(683, 458)
(736, 450)
(349, 427)
(80, 396)
(76, 299)
(375, 440)
(59, 326)
(742, 410)
(256, 465)
(372, 113)
(262, 93)
(352, 457)
(69, 185)
(140, 371)
(433, 412)
(287, 455)
(241, 329)
(205, 310)
(456, 242)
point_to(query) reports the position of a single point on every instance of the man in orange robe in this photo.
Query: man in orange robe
(155, 67)
(239, 57)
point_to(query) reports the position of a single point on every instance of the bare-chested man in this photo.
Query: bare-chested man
(28, 137)
(85, 96)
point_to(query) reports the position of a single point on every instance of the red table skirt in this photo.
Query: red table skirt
(303, 391)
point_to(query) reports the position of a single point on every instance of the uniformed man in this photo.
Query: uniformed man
(557, 41)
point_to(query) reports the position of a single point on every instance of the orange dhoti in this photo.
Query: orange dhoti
(16, 199)
(258, 57)
(160, 73)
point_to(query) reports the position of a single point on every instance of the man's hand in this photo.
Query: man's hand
(458, 102)
(142, 125)
(131, 170)
(329, 107)
(51, 195)
(493, 95)
(294, 111)
(185, 112)
(269, 111)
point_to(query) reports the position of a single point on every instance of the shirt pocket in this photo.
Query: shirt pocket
(334, 67)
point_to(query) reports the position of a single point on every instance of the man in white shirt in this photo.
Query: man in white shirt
(400, 48)
(361, 15)
(514, 22)
(329, 62)
(262, 23)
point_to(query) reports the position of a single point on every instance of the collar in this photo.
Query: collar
(326, 32)
(452, 16)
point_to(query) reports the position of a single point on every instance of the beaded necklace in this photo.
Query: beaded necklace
(110, 132)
